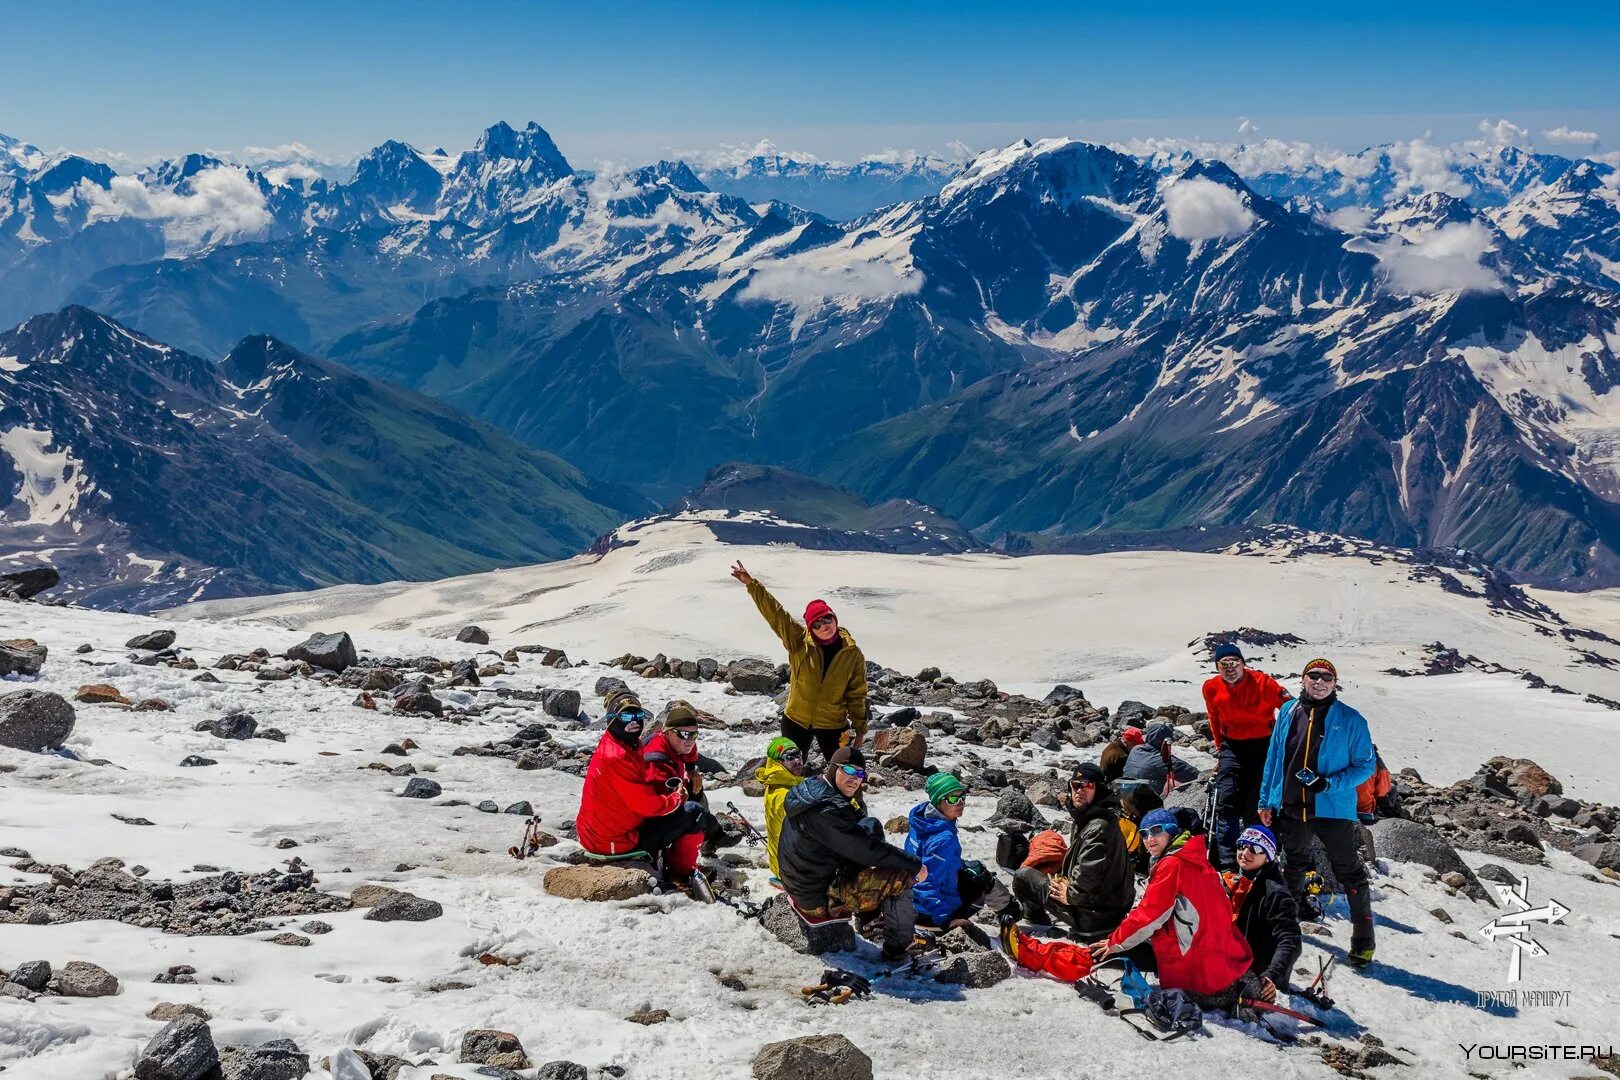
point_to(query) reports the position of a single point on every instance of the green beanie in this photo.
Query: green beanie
(779, 746)
(940, 785)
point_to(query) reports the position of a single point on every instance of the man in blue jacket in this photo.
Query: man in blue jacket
(953, 889)
(1320, 752)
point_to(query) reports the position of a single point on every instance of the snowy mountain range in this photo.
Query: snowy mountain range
(150, 476)
(1063, 338)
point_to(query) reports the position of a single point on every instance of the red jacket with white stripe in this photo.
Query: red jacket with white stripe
(1187, 915)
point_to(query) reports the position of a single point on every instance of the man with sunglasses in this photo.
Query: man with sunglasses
(1264, 910)
(627, 807)
(1242, 704)
(826, 672)
(1095, 882)
(782, 771)
(954, 888)
(1320, 753)
(833, 859)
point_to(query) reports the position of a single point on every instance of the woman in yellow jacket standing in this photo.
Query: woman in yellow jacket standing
(827, 672)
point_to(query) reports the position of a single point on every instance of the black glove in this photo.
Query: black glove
(836, 977)
(1317, 786)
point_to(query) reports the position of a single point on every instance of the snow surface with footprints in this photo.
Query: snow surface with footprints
(1097, 622)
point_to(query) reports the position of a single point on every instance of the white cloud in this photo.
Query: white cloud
(1201, 209)
(1351, 219)
(811, 284)
(281, 175)
(1504, 132)
(1562, 134)
(224, 204)
(1247, 127)
(1444, 260)
(1422, 166)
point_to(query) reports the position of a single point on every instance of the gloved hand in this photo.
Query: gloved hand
(839, 977)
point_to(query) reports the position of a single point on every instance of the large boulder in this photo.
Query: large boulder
(152, 640)
(1523, 777)
(904, 748)
(420, 787)
(753, 676)
(975, 970)
(416, 697)
(278, 1059)
(404, 907)
(1604, 856)
(488, 1047)
(597, 883)
(1405, 840)
(80, 978)
(473, 635)
(236, 725)
(21, 656)
(812, 1057)
(183, 1050)
(1016, 813)
(334, 652)
(26, 584)
(34, 720)
(784, 923)
(563, 704)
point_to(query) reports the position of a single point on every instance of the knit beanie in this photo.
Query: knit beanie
(845, 755)
(1261, 837)
(620, 698)
(679, 712)
(1229, 650)
(815, 610)
(941, 784)
(1131, 736)
(1161, 818)
(779, 746)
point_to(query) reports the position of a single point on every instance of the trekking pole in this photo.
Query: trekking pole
(530, 842)
(1264, 1006)
(753, 834)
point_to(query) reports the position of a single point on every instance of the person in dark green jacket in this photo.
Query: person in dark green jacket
(1095, 887)
(827, 672)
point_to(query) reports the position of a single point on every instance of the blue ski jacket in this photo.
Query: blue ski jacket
(1345, 759)
(933, 839)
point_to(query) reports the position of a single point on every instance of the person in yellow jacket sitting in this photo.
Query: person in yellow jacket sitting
(782, 771)
(827, 672)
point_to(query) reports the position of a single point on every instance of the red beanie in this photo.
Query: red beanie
(1131, 736)
(816, 610)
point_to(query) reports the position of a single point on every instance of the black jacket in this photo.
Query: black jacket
(1102, 884)
(821, 835)
(1269, 921)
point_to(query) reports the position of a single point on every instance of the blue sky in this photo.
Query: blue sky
(630, 81)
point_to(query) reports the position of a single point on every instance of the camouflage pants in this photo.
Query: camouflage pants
(864, 891)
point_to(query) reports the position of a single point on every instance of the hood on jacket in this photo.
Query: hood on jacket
(818, 793)
(925, 821)
(1106, 802)
(773, 774)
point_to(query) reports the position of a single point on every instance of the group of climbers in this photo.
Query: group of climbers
(1217, 918)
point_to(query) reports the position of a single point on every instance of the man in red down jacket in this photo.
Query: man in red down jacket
(627, 807)
(1242, 703)
(1184, 914)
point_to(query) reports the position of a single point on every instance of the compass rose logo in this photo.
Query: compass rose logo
(1514, 927)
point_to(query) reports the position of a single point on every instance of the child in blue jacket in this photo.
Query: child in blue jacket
(954, 889)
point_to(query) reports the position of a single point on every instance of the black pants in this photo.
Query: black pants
(826, 739)
(978, 891)
(1030, 886)
(1242, 765)
(658, 833)
(1343, 847)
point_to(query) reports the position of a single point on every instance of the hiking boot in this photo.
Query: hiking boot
(1009, 936)
(698, 888)
(893, 954)
(1359, 958)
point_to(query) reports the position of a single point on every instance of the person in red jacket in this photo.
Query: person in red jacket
(1185, 917)
(1242, 705)
(629, 805)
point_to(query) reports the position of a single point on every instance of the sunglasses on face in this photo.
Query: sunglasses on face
(791, 755)
(853, 770)
(1252, 849)
(635, 716)
(955, 797)
(1319, 676)
(1156, 830)
(1230, 663)
(689, 734)
(823, 622)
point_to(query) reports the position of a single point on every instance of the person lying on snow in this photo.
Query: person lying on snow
(1185, 916)
(834, 862)
(1264, 910)
(953, 890)
(1089, 884)
(782, 771)
(826, 672)
(629, 807)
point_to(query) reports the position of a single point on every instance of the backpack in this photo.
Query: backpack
(1011, 850)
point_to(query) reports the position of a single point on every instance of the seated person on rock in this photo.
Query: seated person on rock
(1151, 771)
(1094, 884)
(954, 889)
(782, 771)
(1264, 910)
(833, 860)
(630, 806)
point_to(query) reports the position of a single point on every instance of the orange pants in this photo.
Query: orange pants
(1059, 959)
